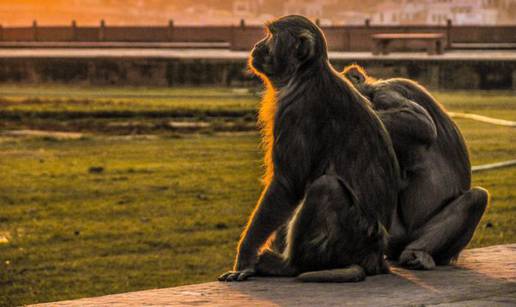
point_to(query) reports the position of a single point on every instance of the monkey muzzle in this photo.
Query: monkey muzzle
(259, 55)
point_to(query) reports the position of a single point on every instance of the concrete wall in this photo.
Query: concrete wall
(138, 34)
(342, 38)
(351, 38)
(138, 72)
(474, 34)
(222, 72)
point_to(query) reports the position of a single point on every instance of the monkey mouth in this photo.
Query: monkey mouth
(258, 59)
(257, 64)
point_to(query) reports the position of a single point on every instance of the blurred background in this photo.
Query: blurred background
(129, 152)
(213, 12)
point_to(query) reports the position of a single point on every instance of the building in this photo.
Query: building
(310, 9)
(463, 12)
(438, 12)
(387, 13)
(247, 8)
(349, 18)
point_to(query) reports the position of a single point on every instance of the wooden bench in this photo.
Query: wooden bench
(435, 41)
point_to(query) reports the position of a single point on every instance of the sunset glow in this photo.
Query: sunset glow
(212, 12)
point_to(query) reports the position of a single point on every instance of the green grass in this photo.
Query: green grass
(168, 211)
(31, 100)
(495, 103)
(164, 212)
(55, 99)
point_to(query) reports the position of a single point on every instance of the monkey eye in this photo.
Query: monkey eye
(270, 28)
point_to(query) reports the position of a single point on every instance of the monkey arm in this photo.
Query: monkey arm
(281, 197)
(275, 206)
(405, 119)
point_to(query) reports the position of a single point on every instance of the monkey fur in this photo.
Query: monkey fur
(438, 210)
(332, 177)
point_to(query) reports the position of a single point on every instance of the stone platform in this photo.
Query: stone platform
(482, 277)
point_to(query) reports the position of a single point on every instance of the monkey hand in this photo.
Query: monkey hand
(244, 265)
(240, 275)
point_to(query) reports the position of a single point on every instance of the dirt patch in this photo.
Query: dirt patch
(127, 127)
(43, 133)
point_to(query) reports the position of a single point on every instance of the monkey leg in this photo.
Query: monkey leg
(444, 236)
(353, 273)
(280, 240)
(397, 239)
(271, 263)
(329, 239)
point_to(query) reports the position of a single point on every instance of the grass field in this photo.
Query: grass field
(108, 213)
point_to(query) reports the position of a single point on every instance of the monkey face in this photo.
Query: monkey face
(359, 78)
(261, 56)
(356, 74)
(292, 43)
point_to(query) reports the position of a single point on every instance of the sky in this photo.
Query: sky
(201, 12)
(88, 12)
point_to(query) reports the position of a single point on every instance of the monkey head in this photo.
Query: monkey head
(359, 78)
(293, 44)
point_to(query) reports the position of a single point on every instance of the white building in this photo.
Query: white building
(311, 9)
(247, 8)
(350, 18)
(387, 13)
(438, 12)
(467, 12)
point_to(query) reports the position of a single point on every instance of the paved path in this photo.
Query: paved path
(483, 277)
(484, 119)
(109, 45)
(221, 54)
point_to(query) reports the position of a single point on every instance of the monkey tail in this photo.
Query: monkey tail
(353, 273)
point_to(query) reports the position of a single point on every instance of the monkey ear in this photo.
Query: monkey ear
(305, 47)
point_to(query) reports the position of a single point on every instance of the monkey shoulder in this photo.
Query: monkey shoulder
(388, 95)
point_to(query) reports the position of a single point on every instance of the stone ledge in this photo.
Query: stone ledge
(482, 277)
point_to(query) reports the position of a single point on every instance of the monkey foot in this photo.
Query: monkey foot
(237, 275)
(416, 260)
(352, 273)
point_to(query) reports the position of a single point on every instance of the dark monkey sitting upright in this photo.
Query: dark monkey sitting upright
(332, 173)
(438, 210)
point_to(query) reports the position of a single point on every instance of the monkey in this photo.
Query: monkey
(331, 174)
(438, 210)
(410, 126)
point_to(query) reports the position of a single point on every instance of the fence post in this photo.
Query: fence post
(448, 33)
(74, 30)
(102, 30)
(242, 23)
(35, 30)
(367, 22)
(170, 31)
(1, 33)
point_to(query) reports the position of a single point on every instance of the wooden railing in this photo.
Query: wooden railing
(242, 37)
